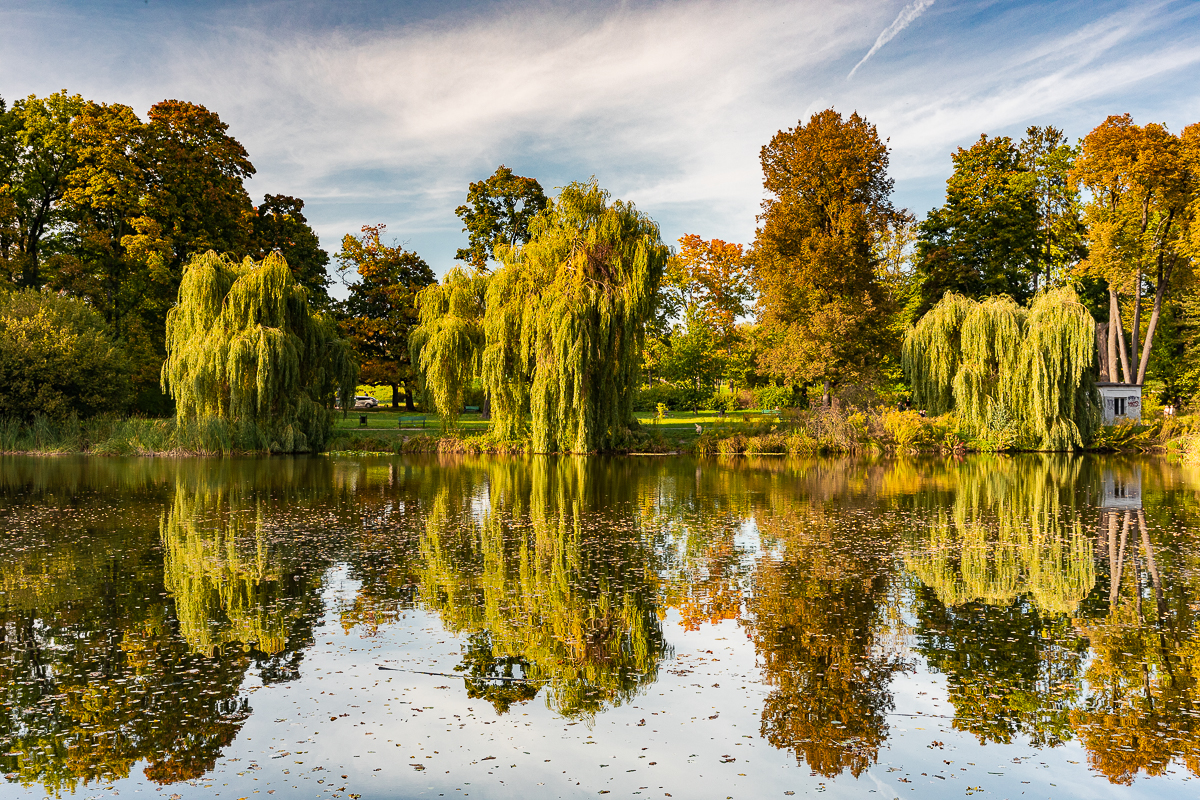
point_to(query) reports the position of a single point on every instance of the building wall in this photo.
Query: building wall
(1121, 402)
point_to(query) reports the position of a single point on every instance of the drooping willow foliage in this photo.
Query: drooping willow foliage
(1011, 531)
(243, 345)
(1024, 375)
(448, 342)
(565, 321)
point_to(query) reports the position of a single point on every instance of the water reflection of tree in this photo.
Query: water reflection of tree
(822, 606)
(548, 559)
(232, 580)
(1001, 570)
(100, 666)
(1142, 709)
(95, 675)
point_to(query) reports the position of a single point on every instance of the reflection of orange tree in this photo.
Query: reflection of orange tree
(557, 573)
(1142, 710)
(817, 616)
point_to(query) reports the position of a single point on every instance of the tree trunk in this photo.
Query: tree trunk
(408, 398)
(1160, 294)
(486, 409)
(1112, 350)
(1137, 319)
(826, 400)
(395, 396)
(1114, 318)
(1102, 350)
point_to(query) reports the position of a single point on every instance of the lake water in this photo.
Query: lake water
(655, 627)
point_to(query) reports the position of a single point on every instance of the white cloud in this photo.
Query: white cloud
(666, 103)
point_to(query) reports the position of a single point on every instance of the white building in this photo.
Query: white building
(1122, 401)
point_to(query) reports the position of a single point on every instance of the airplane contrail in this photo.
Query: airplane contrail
(906, 16)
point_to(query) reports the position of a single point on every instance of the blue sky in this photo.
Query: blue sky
(383, 112)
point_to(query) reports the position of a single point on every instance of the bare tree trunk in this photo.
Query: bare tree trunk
(825, 398)
(1160, 601)
(395, 396)
(1102, 350)
(1112, 351)
(1160, 295)
(408, 398)
(1114, 318)
(1137, 319)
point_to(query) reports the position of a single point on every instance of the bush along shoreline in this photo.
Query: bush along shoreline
(789, 433)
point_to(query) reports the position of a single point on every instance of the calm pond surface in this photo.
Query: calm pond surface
(540, 627)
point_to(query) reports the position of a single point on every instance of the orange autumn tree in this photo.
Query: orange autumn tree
(1143, 186)
(821, 305)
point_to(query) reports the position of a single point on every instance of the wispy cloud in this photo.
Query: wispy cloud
(666, 103)
(902, 21)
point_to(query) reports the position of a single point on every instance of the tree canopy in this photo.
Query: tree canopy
(498, 212)
(1143, 183)
(380, 311)
(565, 321)
(820, 302)
(984, 240)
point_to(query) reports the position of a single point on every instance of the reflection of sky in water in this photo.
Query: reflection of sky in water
(402, 569)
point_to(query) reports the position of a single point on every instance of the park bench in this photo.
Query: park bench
(470, 409)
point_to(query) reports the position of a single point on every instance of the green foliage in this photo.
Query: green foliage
(498, 212)
(58, 359)
(448, 343)
(565, 322)
(279, 224)
(243, 345)
(692, 356)
(984, 240)
(775, 397)
(1011, 375)
(932, 351)
(380, 313)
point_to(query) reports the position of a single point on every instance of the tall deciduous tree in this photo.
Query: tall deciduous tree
(1143, 186)
(37, 152)
(498, 212)
(984, 240)
(279, 224)
(566, 318)
(243, 345)
(821, 305)
(710, 278)
(1045, 154)
(707, 285)
(381, 310)
(196, 171)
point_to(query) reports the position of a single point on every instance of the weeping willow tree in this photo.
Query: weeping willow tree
(231, 584)
(1009, 533)
(565, 322)
(1022, 375)
(447, 344)
(547, 584)
(244, 346)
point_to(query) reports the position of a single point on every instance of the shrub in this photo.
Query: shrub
(906, 429)
(774, 397)
(676, 398)
(57, 359)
